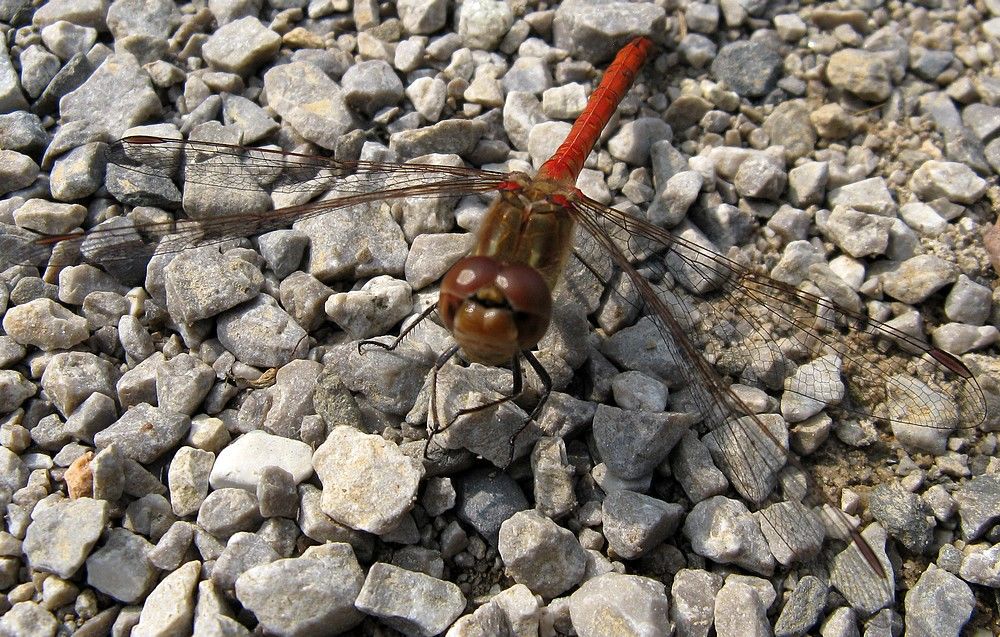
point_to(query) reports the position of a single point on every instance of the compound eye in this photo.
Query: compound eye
(529, 297)
(469, 275)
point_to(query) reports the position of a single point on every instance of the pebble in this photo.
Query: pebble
(241, 46)
(793, 532)
(952, 180)
(753, 474)
(981, 567)
(938, 604)
(260, 333)
(188, 479)
(18, 170)
(868, 195)
(169, 608)
(553, 478)
(203, 282)
(120, 81)
(749, 68)
(807, 183)
(724, 531)
(915, 279)
(121, 568)
(634, 523)
(45, 324)
(182, 383)
(861, 73)
(803, 609)
(540, 554)
(358, 471)
(633, 443)
(280, 408)
(144, 433)
(293, 88)
(241, 464)
(739, 610)
(243, 552)
(968, 302)
(372, 310)
(226, 512)
(485, 499)
(978, 505)
(413, 603)
(14, 390)
(62, 534)
(319, 591)
(28, 618)
(638, 606)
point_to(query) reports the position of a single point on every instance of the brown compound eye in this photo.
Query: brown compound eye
(529, 298)
(463, 280)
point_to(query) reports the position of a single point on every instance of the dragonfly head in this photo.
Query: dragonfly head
(493, 309)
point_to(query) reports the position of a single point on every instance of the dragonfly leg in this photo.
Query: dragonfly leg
(543, 375)
(396, 341)
(438, 364)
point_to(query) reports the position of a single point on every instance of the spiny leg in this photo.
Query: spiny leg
(396, 341)
(438, 364)
(543, 376)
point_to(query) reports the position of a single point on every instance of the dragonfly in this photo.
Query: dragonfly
(498, 300)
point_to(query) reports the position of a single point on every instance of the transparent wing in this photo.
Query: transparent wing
(248, 181)
(703, 298)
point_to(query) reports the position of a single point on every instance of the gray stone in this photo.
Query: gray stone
(144, 433)
(120, 568)
(982, 567)
(14, 390)
(276, 494)
(226, 512)
(458, 137)
(294, 89)
(280, 408)
(482, 23)
(115, 97)
(241, 46)
(868, 195)
(724, 531)
(261, 334)
(633, 443)
(861, 73)
(952, 180)
(421, 17)
(803, 609)
(938, 604)
(693, 593)
(354, 243)
(634, 523)
(968, 302)
(201, 283)
(358, 472)
(793, 532)
(857, 233)
(759, 177)
(169, 608)
(45, 324)
(553, 478)
(62, 534)
(11, 97)
(372, 310)
(370, 86)
(241, 464)
(739, 611)
(169, 552)
(540, 554)
(486, 499)
(318, 592)
(866, 590)
(243, 552)
(634, 605)
(915, 279)
(694, 470)
(749, 457)
(749, 68)
(188, 479)
(17, 171)
(182, 382)
(807, 183)
(983, 120)
(978, 505)
(413, 603)
(28, 618)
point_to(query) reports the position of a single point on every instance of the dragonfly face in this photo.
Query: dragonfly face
(493, 309)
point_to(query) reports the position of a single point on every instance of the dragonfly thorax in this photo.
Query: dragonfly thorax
(494, 309)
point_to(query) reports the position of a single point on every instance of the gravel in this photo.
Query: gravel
(234, 463)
